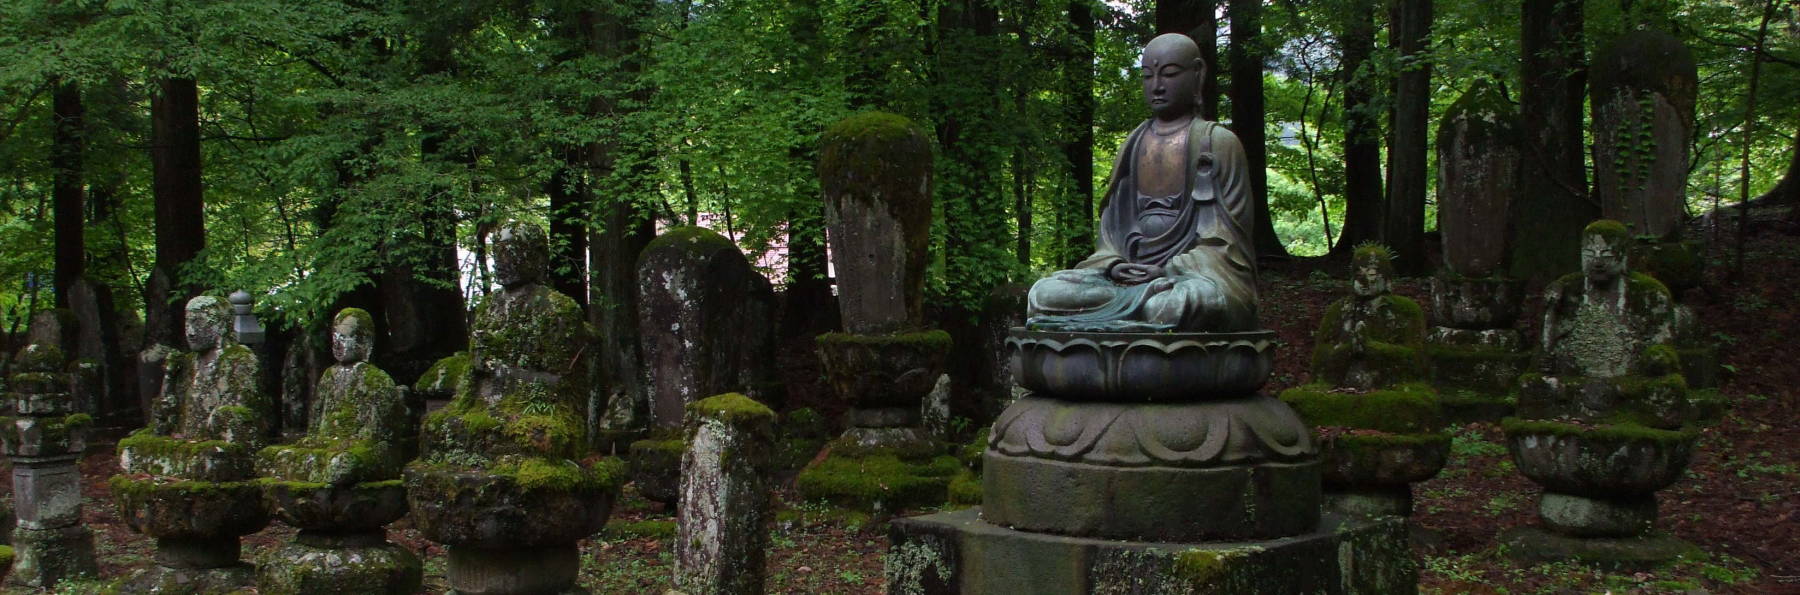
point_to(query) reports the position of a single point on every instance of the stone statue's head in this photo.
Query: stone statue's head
(1372, 270)
(521, 254)
(1172, 71)
(1603, 246)
(352, 335)
(208, 323)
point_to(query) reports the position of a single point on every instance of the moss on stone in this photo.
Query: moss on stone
(688, 238)
(125, 486)
(805, 422)
(965, 489)
(146, 443)
(674, 446)
(879, 482)
(912, 452)
(1372, 253)
(38, 357)
(1407, 408)
(732, 408)
(1675, 264)
(1661, 359)
(1209, 568)
(1615, 432)
(972, 452)
(1485, 118)
(924, 340)
(362, 317)
(1614, 232)
(445, 374)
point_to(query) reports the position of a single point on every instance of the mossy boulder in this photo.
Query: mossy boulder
(514, 502)
(1405, 409)
(1371, 458)
(878, 482)
(147, 453)
(706, 321)
(336, 508)
(656, 468)
(306, 568)
(1367, 343)
(442, 379)
(1600, 461)
(167, 508)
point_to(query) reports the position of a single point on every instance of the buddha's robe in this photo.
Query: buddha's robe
(1200, 236)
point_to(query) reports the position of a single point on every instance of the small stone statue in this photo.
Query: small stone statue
(1373, 338)
(1175, 249)
(1603, 328)
(187, 477)
(504, 478)
(341, 483)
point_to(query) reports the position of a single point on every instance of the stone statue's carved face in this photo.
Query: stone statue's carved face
(351, 342)
(1601, 260)
(521, 254)
(1172, 71)
(208, 319)
(1369, 279)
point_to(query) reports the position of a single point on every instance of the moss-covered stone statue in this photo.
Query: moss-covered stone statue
(875, 169)
(1603, 424)
(44, 437)
(504, 478)
(1380, 427)
(340, 483)
(1144, 457)
(188, 478)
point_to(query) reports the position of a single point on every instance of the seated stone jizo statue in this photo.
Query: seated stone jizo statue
(1175, 249)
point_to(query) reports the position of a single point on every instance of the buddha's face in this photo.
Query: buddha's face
(1172, 71)
(1369, 279)
(1601, 260)
(207, 322)
(350, 341)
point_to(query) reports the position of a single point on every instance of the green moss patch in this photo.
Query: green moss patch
(734, 409)
(880, 482)
(1615, 232)
(965, 489)
(1405, 409)
(445, 375)
(149, 444)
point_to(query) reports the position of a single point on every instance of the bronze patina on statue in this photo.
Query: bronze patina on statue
(1144, 449)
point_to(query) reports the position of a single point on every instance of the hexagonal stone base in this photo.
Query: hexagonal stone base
(1536, 544)
(956, 553)
(370, 565)
(161, 579)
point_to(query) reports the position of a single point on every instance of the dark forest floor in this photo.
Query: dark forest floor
(1739, 501)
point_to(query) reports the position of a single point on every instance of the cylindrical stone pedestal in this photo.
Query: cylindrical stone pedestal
(885, 378)
(512, 571)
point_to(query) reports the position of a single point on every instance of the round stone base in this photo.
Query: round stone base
(157, 578)
(1579, 516)
(901, 438)
(178, 552)
(44, 556)
(1150, 503)
(369, 565)
(480, 571)
(1370, 502)
(1536, 545)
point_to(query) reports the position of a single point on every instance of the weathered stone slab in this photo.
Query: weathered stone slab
(706, 321)
(1479, 164)
(875, 171)
(958, 553)
(1644, 87)
(723, 524)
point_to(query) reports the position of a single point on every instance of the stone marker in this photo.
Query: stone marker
(1380, 427)
(187, 478)
(875, 170)
(1603, 422)
(45, 441)
(1643, 92)
(723, 531)
(1474, 353)
(1145, 459)
(340, 483)
(503, 479)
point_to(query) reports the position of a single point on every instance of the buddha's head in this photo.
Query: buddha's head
(521, 254)
(352, 336)
(1603, 250)
(208, 321)
(1172, 71)
(1371, 270)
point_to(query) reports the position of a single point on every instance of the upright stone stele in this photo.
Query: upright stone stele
(45, 440)
(187, 477)
(340, 483)
(504, 479)
(1386, 431)
(1145, 459)
(722, 530)
(1603, 421)
(1474, 352)
(706, 322)
(875, 171)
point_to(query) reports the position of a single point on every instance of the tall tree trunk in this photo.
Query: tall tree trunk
(1246, 57)
(1078, 145)
(1197, 19)
(1405, 222)
(1756, 59)
(808, 307)
(1362, 129)
(180, 206)
(1553, 204)
(1788, 190)
(625, 223)
(67, 141)
(568, 227)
